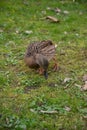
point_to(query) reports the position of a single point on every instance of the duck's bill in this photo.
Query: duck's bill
(45, 74)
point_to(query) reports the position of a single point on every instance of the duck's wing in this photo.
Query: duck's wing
(49, 52)
(44, 47)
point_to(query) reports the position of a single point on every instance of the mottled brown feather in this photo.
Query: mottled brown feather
(39, 54)
(45, 48)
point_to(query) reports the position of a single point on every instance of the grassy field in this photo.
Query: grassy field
(24, 94)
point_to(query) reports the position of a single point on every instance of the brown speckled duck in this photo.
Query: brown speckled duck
(39, 54)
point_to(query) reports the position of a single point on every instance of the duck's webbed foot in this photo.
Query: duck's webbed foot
(56, 66)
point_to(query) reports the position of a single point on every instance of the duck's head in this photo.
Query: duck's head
(42, 61)
(45, 74)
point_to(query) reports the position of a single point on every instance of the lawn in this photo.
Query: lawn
(27, 100)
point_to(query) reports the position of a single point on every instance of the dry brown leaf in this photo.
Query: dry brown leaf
(85, 86)
(53, 19)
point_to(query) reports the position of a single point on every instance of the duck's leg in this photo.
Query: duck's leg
(56, 66)
(41, 71)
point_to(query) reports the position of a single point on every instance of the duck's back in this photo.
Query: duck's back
(45, 48)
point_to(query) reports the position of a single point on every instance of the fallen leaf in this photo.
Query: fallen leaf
(85, 86)
(53, 19)
(28, 31)
(67, 80)
(66, 12)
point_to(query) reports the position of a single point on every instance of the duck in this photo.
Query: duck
(39, 54)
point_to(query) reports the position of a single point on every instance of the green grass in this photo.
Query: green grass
(22, 89)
